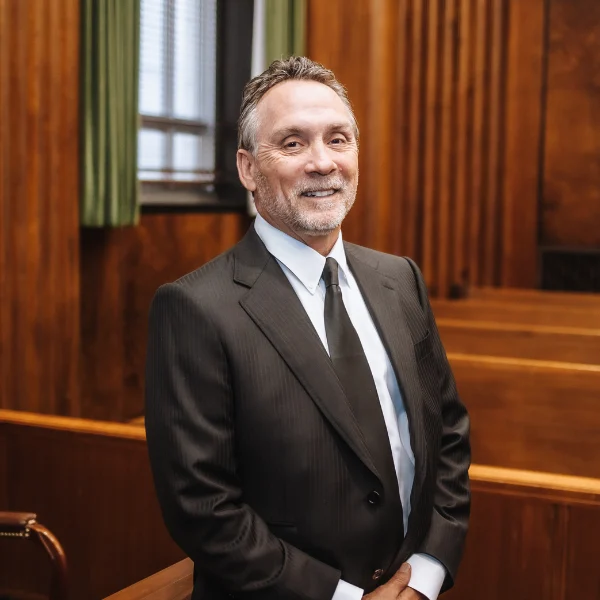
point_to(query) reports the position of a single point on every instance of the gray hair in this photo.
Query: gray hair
(297, 68)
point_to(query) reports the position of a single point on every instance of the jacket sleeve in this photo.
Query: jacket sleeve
(452, 500)
(191, 441)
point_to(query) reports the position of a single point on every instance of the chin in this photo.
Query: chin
(319, 226)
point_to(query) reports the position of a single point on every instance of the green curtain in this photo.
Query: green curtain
(109, 112)
(285, 29)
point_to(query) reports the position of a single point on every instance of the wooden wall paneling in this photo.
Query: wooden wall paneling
(377, 123)
(432, 134)
(524, 128)
(571, 178)
(582, 578)
(4, 171)
(464, 112)
(400, 129)
(39, 323)
(121, 270)
(478, 145)
(516, 554)
(416, 99)
(449, 186)
(443, 212)
(491, 226)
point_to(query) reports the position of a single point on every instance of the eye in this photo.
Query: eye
(338, 140)
(292, 145)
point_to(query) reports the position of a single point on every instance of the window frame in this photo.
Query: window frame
(222, 190)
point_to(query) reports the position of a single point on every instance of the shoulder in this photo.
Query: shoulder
(401, 269)
(207, 285)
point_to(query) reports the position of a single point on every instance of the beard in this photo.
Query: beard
(308, 215)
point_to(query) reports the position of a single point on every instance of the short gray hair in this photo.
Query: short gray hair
(297, 68)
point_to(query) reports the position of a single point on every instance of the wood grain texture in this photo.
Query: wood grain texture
(571, 186)
(536, 342)
(531, 536)
(120, 271)
(172, 583)
(450, 109)
(534, 415)
(91, 485)
(39, 267)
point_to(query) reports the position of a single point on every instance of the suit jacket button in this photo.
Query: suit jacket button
(377, 574)
(374, 498)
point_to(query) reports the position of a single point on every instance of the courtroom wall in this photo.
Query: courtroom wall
(480, 124)
(39, 229)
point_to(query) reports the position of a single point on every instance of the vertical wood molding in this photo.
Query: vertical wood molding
(450, 104)
(39, 199)
(524, 106)
(571, 179)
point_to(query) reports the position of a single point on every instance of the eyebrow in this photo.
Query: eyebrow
(288, 131)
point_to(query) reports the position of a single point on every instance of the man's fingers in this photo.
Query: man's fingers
(401, 577)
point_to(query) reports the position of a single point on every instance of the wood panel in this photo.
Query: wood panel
(571, 191)
(524, 313)
(528, 414)
(173, 583)
(542, 342)
(90, 484)
(39, 268)
(531, 536)
(526, 528)
(449, 107)
(120, 271)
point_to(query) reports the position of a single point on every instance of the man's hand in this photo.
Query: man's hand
(394, 589)
(410, 594)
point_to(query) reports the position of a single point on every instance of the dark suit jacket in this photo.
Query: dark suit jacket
(261, 469)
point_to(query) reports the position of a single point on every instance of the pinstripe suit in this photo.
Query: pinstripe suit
(261, 470)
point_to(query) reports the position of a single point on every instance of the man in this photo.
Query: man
(304, 428)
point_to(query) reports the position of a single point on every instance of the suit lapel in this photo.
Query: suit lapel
(275, 308)
(384, 300)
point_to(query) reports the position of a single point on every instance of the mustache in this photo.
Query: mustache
(333, 183)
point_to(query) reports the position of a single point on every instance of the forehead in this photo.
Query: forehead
(302, 104)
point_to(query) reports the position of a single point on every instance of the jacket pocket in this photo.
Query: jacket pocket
(423, 347)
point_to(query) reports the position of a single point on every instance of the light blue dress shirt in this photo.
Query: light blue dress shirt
(303, 267)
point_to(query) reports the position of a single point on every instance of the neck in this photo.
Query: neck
(321, 243)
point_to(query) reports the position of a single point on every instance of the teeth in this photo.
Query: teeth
(320, 194)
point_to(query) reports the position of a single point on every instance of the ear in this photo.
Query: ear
(245, 167)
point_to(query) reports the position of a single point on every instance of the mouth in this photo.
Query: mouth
(320, 193)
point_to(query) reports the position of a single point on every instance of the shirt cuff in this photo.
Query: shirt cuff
(347, 591)
(427, 575)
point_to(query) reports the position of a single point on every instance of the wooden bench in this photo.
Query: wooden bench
(91, 484)
(532, 535)
(537, 297)
(496, 310)
(532, 414)
(513, 340)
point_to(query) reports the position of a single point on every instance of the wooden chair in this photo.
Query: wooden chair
(25, 526)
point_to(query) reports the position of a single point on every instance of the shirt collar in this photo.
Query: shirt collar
(304, 262)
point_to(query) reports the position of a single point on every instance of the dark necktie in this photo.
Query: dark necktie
(353, 371)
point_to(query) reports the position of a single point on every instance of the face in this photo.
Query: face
(304, 171)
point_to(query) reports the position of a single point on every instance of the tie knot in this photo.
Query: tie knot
(330, 272)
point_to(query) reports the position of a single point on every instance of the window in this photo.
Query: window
(184, 45)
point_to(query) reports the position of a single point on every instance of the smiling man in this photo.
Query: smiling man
(304, 427)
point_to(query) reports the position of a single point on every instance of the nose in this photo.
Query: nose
(320, 160)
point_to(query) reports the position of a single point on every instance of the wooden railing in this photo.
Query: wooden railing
(172, 583)
(532, 535)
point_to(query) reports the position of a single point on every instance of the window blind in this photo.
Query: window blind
(177, 90)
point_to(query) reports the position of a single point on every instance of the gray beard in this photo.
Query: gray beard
(301, 220)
